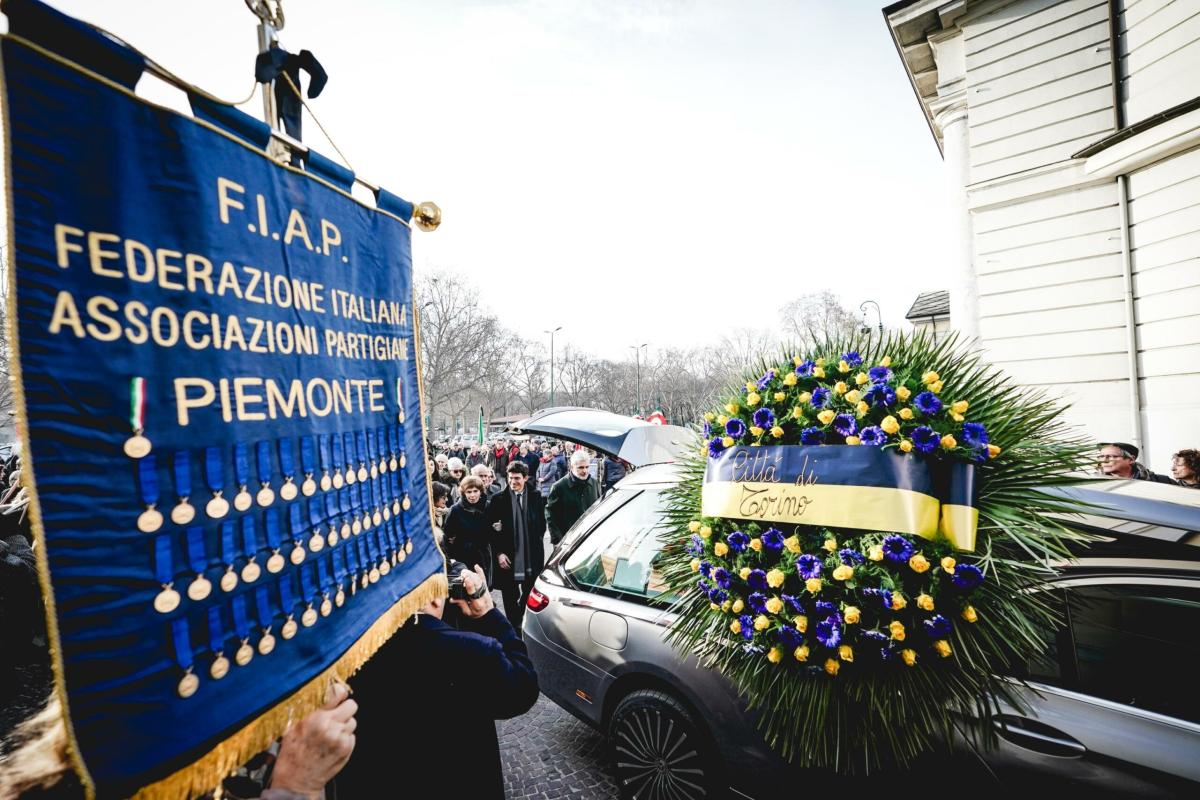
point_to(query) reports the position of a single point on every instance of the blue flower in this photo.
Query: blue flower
(715, 447)
(897, 549)
(809, 566)
(805, 370)
(773, 539)
(717, 596)
(878, 636)
(880, 395)
(793, 603)
(812, 436)
(885, 596)
(927, 403)
(851, 557)
(764, 418)
(757, 602)
(879, 374)
(925, 439)
(735, 428)
(789, 637)
(826, 607)
(937, 627)
(706, 569)
(766, 379)
(873, 435)
(747, 623)
(707, 430)
(757, 579)
(695, 545)
(820, 397)
(845, 425)
(974, 434)
(704, 585)
(737, 541)
(852, 358)
(886, 653)
(828, 632)
(967, 576)
(722, 577)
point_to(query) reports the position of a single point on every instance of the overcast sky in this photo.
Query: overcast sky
(633, 171)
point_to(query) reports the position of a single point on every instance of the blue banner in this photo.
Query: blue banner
(191, 318)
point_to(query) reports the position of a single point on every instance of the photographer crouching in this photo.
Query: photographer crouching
(429, 698)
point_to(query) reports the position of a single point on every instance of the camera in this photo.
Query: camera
(458, 590)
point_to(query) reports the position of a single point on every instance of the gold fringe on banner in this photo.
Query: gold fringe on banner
(209, 770)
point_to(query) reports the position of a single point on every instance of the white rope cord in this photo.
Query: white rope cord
(328, 138)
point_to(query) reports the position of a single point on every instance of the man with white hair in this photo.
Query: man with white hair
(570, 496)
(485, 474)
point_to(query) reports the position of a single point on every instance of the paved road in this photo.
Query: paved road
(550, 755)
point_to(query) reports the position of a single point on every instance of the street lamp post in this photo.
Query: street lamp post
(637, 353)
(878, 316)
(556, 330)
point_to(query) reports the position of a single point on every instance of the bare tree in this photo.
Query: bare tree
(577, 377)
(814, 318)
(530, 373)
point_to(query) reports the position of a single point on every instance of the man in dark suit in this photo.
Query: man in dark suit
(518, 516)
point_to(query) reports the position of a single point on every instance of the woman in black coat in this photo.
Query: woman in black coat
(468, 532)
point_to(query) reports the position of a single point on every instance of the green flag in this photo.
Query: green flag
(481, 424)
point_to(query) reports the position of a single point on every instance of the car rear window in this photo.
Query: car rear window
(623, 554)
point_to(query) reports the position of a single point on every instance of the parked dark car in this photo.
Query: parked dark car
(1111, 706)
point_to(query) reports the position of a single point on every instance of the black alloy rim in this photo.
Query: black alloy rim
(656, 758)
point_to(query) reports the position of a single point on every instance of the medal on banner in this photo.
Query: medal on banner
(288, 604)
(266, 495)
(393, 436)
(200, 587)
(384, 566)
(363, 454)
(137, 445)
(373, 502)
(372, 560)
(353, 567)
(395, 489)
(151, 519)
(181, 636)
(393, 542)
(326, 462)
(385, 495)
(216, 642)
(214, 474)
(343, 504)
(262, 601)
(351, 473)
(241, 628)
(167, 600)
(275, 561)
(251, 571)
(241, 473)
(309, 617)
(308, 465)
(183, 512)
(318, 512)
(229, 580)
(380, 449)
(364, 578)
(359, 521)
(323, 577)
(339, 575)
(400, 400)
(297, 529)
(339, 462)
(288, 492)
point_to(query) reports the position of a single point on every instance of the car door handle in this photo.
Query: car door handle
(1031, 735)
(566, 601)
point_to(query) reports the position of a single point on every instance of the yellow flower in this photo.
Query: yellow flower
(694, 526)
(720, 548)
(774, 655)
(779, 396)
(777, 432)
(829, 545)
(738, 605)
(826, 416)
(801, 623)
(924, 602)
(756, 544)
(844, 572)
(801, 653)
(708, 416)
(889, 424)
(726, 605)
(797, 361)
(969, 614)
(862, 407)
(853, 440)
(840, 387)
(721, 420)
(775, 578)
(886, 361)
(753, 399)
(792, 543)
(942, 647)
(832, 666)
(843, 366)
(732, 408)
(762, 622)
(789, 379)
(949, 442)
(948, 564)
(714, 606)
(896, 629)
(898, 601)
(774, 605)
(846, 653)
(756, 431)
(876, 552)
(744, 573)
(993, 450)
(695, 565)
(853, 396)
(705, 531)
(851, 615)
(804, 397)
(935, 387)
(909, 656)
(735, 626)
(813, 585)
(906, 446)
(918, 563)
(903, 392)
(820, 362)
(750, 385)
(956, 417)
(906, 413)
(818, 372)
(797, 412)
(960, 406)
(929, 377)
(727, 441)
(861, 378)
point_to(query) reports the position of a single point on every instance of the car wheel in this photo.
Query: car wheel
(658, 749)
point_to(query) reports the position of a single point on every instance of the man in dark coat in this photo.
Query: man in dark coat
(518, 516)
(571, 496)
(428, 701)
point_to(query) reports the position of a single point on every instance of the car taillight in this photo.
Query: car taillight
(537, 601)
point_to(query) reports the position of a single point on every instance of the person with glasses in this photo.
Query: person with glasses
(457, 471)
(1119, 460)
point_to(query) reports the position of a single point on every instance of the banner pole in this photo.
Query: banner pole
(266, 35)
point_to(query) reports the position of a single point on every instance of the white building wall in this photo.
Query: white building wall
(1158, 42)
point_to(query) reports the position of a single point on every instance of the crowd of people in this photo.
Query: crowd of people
(1120, 460)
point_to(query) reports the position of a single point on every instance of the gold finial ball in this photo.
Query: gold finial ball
(427, 216)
